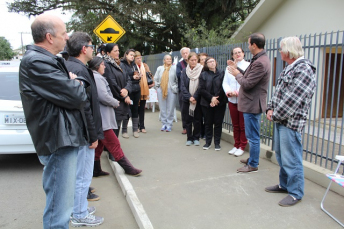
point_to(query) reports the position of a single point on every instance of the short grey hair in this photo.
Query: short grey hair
(183, 49)
(166, 56)
(293, 46)
(40, 28)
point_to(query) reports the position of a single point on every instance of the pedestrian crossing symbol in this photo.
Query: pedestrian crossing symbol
(109, 31)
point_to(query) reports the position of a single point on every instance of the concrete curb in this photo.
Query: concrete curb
(135, 205)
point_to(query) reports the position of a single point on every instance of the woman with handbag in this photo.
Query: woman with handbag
(145, 83)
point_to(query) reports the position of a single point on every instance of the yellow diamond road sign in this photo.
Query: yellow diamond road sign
(109, 30)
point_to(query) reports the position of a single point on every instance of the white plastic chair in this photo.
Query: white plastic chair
(337, 178)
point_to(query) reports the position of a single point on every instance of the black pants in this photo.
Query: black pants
(195, 121)
(135, 97)
(119, 123)
(142, 109)
(202, 124)
(180, 100)
(213, 118)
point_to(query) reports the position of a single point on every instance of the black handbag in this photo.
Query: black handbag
(149, 76)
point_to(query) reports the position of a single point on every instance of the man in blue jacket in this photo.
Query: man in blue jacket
(53, 103)
(80, 50)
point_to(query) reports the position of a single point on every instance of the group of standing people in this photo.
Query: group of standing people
(74, 108)
(204, 90)
(72, 112)
(197, 82)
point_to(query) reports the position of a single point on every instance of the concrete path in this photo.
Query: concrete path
(188, 187)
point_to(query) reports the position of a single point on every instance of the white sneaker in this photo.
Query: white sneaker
(239, 152)
(232, 151)
(88, 221)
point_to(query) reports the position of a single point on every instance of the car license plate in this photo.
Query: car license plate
(14, 119)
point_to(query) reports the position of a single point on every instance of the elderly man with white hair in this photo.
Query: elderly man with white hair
(185, 51)
(288, 108)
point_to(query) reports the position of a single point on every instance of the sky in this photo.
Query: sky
(12, 24)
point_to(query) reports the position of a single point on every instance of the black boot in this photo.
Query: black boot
(111, 157)
(97, 170)
(128, 167)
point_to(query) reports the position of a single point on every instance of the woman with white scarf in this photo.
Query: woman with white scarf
(191, 97)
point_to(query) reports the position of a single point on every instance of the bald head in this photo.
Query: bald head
(44, 24)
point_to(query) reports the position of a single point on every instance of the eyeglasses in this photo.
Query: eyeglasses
(237, 53)
(91, 46)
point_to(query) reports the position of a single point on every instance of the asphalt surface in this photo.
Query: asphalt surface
(188, 187)
(22, 198)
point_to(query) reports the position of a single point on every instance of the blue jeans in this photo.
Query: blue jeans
(84, 174)
(252, 130)
(59, 183)
(289, 150)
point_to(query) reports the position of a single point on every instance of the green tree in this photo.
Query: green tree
(6, 52)
(152, 26)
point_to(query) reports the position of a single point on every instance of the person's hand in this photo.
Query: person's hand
(214, 101)
(124, 92)
(118, 104)
(72, 75)
(127, 100)
(233, 70)
(269, 115)
(231, 63)
(94, 145)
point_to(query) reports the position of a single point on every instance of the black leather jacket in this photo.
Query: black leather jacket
(118, 79)
(53, 103)
(129, 69)
(92, 110)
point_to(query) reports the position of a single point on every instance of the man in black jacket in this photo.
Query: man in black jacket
(53, 106)
(80, 50)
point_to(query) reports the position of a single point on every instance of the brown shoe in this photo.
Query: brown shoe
(184, 131)
(244, 161)
(247, 169)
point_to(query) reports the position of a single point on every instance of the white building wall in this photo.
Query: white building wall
(300, 17)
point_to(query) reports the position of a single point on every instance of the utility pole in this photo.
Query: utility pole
(21, 36)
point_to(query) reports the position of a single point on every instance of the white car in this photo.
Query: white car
(14, 136)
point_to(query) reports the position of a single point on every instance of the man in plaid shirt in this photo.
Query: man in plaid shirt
(288, 108)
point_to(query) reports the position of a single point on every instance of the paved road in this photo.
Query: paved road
(187, 187)
(22, 198)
